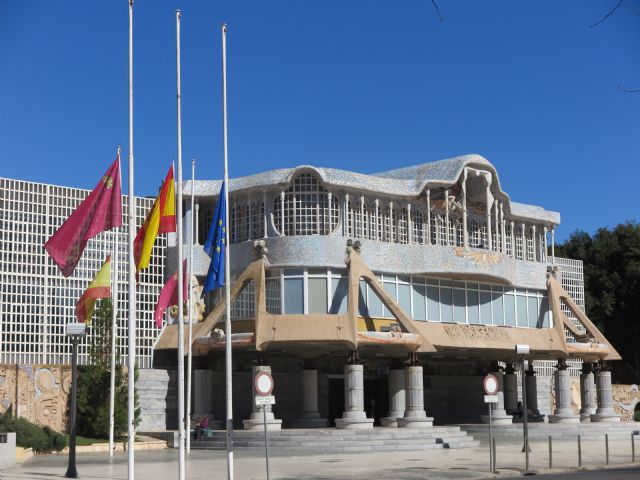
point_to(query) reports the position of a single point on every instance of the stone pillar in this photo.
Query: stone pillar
(587, 393)
(255, 422)
(465, 230)
(354, 415)
(510, 390)
(605, 412)
(532, 394)
(563, 412)
(498, 414)
(203, 398)
(310, 416)
(396, 398)
(414, 414)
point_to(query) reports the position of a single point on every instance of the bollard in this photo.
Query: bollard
(579, 452)
(633, 448)
(494, 455)
(606, 446)
(550, 453)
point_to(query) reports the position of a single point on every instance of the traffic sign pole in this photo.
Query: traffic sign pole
(263, 384)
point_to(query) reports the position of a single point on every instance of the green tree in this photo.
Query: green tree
(612, 287)
(94, 382)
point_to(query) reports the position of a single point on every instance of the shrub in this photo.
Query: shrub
(30, 435)
(57, 441)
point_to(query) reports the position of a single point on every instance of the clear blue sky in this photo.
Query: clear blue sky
(361, 85)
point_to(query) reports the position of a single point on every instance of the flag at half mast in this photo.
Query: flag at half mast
(100, 211)
(100, 287)
(169, 294)
(215, 245)
(160, 219)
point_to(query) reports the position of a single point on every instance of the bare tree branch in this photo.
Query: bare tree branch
(435, 5)
(611, 12)
(626, 90)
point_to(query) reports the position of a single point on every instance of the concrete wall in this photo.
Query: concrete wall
(8, 452)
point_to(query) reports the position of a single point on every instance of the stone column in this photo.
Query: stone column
(465, 230)
(310, 416)
(605, 412)
(587, 393)
(563, 412)
(414, 414)
(396, 398)
(498, 414)
(510, 390)
(354, 415)
(532, 394)
(255, 422)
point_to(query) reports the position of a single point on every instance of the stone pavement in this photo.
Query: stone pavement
(434, 464)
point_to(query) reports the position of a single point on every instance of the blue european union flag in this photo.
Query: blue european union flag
(216, 244)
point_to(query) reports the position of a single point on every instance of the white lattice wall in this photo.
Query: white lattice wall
(36, 301)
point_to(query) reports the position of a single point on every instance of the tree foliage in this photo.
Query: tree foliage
(612, 287)
(94, 382)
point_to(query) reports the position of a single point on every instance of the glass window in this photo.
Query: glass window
(532, 307)
(459, 315)
(419, 305)
(272, 288)
(473, 310)
(433, 304)
(510, 308)
(521, 305)
(392, 291)
(339, 287)
(498, 311)
(445, 305)
(363, 307)
(317, 295)
(293, 295)
(404, 298)
(543, 315)
(485, 308)
(375, 304)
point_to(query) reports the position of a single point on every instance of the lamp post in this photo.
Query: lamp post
(75, 332)
(522, 351)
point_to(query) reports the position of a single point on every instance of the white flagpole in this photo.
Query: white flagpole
(114, 332)
(227, 299)
(181, 419)
(131, 358)
(190, 272)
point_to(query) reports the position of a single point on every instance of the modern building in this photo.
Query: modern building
(37, 301)
(386, 298)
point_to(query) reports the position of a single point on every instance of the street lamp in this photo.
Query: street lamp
(75, 332)
(522, 351)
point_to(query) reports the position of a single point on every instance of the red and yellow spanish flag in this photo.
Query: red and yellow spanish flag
(160, 219)
(100, 287)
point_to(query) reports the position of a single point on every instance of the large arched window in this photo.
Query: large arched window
(308, 209)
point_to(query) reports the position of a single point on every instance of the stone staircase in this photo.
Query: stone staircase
(331, 440)
(542, 431)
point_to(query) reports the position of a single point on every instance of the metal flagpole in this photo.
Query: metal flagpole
(189, 356)
(227, 299)
(181, 419)
(131, 358)
(114, 331)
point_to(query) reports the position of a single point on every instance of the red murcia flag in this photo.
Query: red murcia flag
(100, 211)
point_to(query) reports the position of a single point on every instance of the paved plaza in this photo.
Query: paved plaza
(434, 464)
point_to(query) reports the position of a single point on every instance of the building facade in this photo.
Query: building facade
(361, 292)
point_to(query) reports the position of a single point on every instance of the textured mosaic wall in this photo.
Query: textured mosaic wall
(36, 392)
